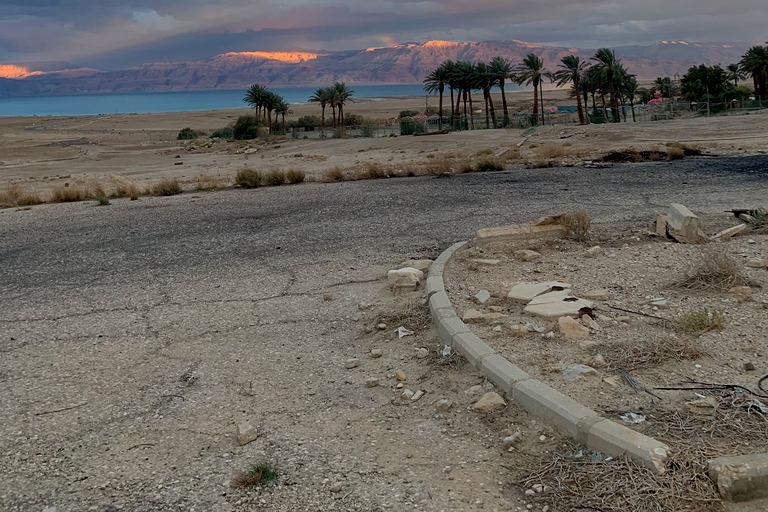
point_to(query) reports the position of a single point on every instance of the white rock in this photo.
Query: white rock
(510, 440)
(246, 433)
(376, 353)
(337, 487)
(444, 405)
(593, 251)
(576, 371)
(598, 294)
(525, 292)
(371, 382)
(352, 363)
(483, 296)
(407, 394)
(490, 402)
(756, 263)
(527, 255)
(382, 327)
(400, 375)
(417, 395)
(598, 361)
(404, 279)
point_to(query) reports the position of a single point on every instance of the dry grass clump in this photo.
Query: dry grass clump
(699, 321)
(16, 195)
(489, 164)
(333, 175)
(372, 171)
(248, 178)
(166, 187)
(649, 351)
(274, 178)
(484, 152)
(713, 269)
(256, 474)
(71, 193)
(675, 153)
(576, 225)
(204, 181)
(410, 314)
(551, 151)
(295, 176)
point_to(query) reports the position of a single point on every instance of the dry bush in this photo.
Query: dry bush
(439, 166)
(125, 189)
(484, 152)
(372, 171)
(334, 175)
(248, 178)
(206, 182)
(551, 151)
(167, 187)
(713, 269)
(15, 195)
(489, 164)
(274, 178)
(699, 321)
(256, 474)
(70, 194)
(537, 163)
(464, 165)
(411, 314)
(576, 225)
(649, 351)
(295, 176)
(675, 153)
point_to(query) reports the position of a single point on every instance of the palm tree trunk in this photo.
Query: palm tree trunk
(333, 111)
(541, 98)
(535, 103)
(322, 117)
(614, 102)
(632, 106)
(578, 103)
(504, 103)
(493, 110)
(465, 106)
(471, 111)
(485, 99)
(440, 113)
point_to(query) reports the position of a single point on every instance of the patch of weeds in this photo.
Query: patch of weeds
(15, 195)
(489, 165)
(295, 176)
(713, 269)
(70, 194)
(274, 178)
(372, 171)
(699, 321)
(576, 225)
(651, 351)
(255, 475)
(759, 218)
(102, 200)
(675, 153)
(167, 187)
(551, 151)
(334, 175)
(484, 152)
(410, 314)
(248, 178)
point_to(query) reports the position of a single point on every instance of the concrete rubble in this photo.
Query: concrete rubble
(405, 279)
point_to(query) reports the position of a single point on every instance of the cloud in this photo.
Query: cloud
(114, 33)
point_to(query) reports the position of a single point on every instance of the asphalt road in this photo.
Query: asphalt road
(110, 310)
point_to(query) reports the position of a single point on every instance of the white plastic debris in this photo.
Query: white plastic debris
(632, 417)
(550, 334)
(533, 327)
(757, 404)
(402, 332)
(446, 351)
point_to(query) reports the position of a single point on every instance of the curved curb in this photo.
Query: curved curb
(581, 423)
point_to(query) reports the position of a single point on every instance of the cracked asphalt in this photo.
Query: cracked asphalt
(133, 337)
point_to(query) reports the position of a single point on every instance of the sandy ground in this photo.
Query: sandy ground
(43, 153)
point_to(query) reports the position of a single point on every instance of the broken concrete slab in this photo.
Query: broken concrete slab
(740, 478)
(517, 232)
(577, 371)
(659, 225)
(404, 279)
(527, 255)
(728, 233)
(483, 296)
(599, 294)
(555, 306)
(571, 329)
(473, 316)
(422, 265)
(683, 225)
(525, 292)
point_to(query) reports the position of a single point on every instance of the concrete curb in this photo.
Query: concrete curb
(581, 423)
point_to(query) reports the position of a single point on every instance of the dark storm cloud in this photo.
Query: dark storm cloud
(112, 33)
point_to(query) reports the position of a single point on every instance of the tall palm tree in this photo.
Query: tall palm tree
(464, 74)
(321, 96)
(255, 97)
(755, 63)
(572, 69)
(342, 95)
(484, 80)
(435, 83)
(664, 86)
(502, 69)
(629, 91)
(283, 108)
(735, 73)
(531, 72)
(608, 64)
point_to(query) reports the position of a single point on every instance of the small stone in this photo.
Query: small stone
(624, 319)
(598, 361)
(614, 381)
(545, 508)
(509, 441)
(542, 438)
(527, 255)
(588, 321)
(756, 263)
(352, 363)
(749, 367)
(660, 303)
(497, 328)
(598, 294)
(400, 375)
(337, 487)
(407, 394)
(538, 488)
(488, 263)
(490, 402)
(371, 382)
(577, 371)
(587, 344)
(400, 385)
(417, 395)
(376, 353)
(246, 433)
(483, 296)
(571, 329)
(530, 492)
(422, 353)
(593, 251)
(382, 327)
(444, 405)
(750, 241)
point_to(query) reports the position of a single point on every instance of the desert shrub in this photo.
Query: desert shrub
(187, 134)
(649, 351)
(295, 176)
(274, 178)
(551, 151)
(576, 225)
(333, 175)
(306, 122)
(713, 269)
(439, 166)
(246, 127)
(15, 195)
(167, 187)
(256, 474)
(354, 120)
(372, 171)
(102, 200)
(699, 321)
(484, 151)
(248, 178)
(70, 194)
(407, 113)
(489, 164)
(228, 132)
(206, 182)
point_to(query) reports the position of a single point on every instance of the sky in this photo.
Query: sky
(111, 34)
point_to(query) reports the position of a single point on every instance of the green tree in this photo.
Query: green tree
(755, 63)
(571, 71)
(435, 82)
(664, 86)
(322, 97)
(531, 72)
(341, 95)
(484, 80)
(706, 83)
(630, 91)
(608, 64)
(502, 70)
(735, 73)
(255, 97)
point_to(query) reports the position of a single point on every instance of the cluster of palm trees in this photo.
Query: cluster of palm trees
(606, 75)
(265, 102)
(335, 97)
(754, 63)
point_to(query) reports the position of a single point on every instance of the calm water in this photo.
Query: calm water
(94, 104)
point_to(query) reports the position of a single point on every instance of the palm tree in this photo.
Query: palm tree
(629, 90)
(255, 97)
(531, 72)
(283, 108)
(484, 79)
(502, 69)
(464, 75)
(735, 73)
(664, 86)
(435, 83)
(608, 64)
(755, 63)
(572, 69)
(321, 96)
(341, 96)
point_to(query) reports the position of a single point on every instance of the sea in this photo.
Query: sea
(186, 101)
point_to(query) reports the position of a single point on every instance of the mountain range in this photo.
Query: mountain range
(405, 63)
